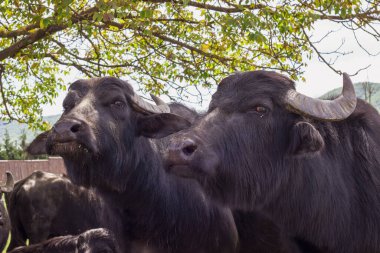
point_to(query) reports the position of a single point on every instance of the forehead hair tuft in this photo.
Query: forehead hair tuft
(102, 81)
(257, 76)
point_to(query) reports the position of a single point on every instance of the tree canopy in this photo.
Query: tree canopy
(164, 45)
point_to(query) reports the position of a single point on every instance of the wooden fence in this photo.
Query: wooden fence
(23, 168)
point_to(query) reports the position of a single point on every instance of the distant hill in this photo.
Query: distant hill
(15, 129)
(359, 89)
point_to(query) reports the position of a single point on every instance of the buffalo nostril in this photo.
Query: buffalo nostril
(189, 148)
(75, 128)
(67, 127)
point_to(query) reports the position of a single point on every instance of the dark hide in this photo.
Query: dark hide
(92, 241)
(45, 205)
(5, 224)
(161, 212)
(102, 140)
(319, 181)
(257, 232)
(97, 241)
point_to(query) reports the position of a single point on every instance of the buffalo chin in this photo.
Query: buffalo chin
(68, 149)
(181, 171)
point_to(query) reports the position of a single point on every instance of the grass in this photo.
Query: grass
(6, 246)
(9, 235)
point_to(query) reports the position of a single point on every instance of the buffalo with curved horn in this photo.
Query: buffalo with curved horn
(311, 165)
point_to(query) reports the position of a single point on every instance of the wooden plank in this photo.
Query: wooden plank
(23, 168)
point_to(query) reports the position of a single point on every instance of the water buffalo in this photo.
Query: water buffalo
(104, 139)
(312, 165)
(45, 205)
(5, 224)
(92, 241)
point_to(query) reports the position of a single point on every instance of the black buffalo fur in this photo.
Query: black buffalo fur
(158, 211)
(320, 181)
(45, 205)
(112, 153)
(92, 241)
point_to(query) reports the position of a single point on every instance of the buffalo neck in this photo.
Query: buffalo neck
(336, 190)
(167, 211)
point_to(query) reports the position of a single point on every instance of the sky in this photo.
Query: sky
(319, 78)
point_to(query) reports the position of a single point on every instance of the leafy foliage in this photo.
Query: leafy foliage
(166, 45)
(14, 150)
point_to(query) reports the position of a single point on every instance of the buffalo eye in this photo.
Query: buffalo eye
(258, 109)
(118, 104)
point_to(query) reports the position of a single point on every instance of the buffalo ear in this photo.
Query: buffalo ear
(38, 145)
(161, 125)
(305, 140)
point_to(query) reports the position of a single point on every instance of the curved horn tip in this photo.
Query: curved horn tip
(346, 78)
(348, 87)
(141, 105)
(157, 100)
(8, 187)
(9, 176)
(332, 110)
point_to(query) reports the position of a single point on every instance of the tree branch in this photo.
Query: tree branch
(171, 40)
(4, 99)
(319, 54)
(22, 31)
(12, 50)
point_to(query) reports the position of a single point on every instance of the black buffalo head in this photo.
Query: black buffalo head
(98, 240)
(256, 120)
(100, 131)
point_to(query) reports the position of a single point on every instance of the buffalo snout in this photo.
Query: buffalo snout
(70, 136)
(188, 157)
(66, 130)
(182, 150)
(179, 156)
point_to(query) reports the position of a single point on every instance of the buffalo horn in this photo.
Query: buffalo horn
(143, 106)
(8, 187)
(157, 100)
(325, 110)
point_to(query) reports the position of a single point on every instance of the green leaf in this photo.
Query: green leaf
(44, 23)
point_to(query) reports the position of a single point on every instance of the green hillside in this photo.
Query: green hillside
(15, 129)
(359, 89)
